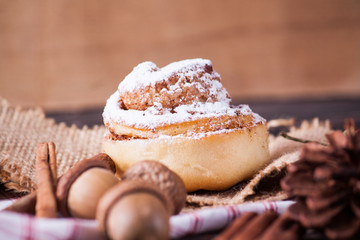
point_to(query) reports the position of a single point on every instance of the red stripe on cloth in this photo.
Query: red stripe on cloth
(231, 214)
(75, 229)
(271, 206)
(237, 211)
(193, 228)
(196, 222)
(265, 206)
(28, 228)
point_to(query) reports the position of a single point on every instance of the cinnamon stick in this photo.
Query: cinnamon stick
(52, 163)
(27, 204)
(45, 197)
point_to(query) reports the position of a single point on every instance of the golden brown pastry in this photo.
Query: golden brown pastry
(181, 116)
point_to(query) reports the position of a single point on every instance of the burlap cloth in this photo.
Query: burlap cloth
(22, 130)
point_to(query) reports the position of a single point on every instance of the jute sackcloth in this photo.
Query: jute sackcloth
(22, 130)
(20, 133)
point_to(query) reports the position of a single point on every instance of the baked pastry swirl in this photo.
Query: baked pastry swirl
(181, 116)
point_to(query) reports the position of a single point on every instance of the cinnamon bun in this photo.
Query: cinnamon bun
(181, 115)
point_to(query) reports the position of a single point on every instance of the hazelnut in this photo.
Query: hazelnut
(134, 210)
(158, 174)
(81, 187)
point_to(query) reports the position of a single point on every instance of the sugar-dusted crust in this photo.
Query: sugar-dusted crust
(179, 92)
(191, 128)
(181, 116)
(179, 83)
(213, 162)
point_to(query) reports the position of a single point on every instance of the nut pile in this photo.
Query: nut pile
(142, 202)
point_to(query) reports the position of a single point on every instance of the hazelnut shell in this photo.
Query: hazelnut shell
(100, 160)
(157, 173)
(122, 189)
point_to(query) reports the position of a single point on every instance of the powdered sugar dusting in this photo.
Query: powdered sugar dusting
(142, 73)
(179, 83)
(156, 116)
(188, 90)
(147, 73)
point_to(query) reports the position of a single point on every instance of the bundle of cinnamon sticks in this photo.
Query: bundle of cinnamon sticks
(42, 202)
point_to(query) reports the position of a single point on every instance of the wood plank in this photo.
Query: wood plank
(63, 54)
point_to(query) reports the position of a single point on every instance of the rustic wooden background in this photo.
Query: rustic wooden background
(71, 55)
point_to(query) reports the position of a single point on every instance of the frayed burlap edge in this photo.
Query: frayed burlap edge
(20, 133)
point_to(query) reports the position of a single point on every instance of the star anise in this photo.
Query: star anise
(325, 184)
